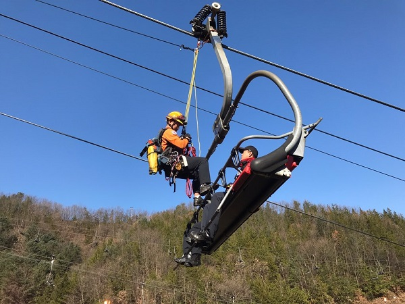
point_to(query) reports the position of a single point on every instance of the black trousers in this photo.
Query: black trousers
(208, 213)
(197, 170)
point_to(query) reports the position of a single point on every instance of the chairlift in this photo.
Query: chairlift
(267, 173)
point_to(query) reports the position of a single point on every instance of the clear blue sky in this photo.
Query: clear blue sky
(358, 45)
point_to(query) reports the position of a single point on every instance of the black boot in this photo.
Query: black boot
(194, 261)
(198, 201)
(183, 259)
(204, 189)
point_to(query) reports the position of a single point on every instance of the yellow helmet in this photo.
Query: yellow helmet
(177, 116)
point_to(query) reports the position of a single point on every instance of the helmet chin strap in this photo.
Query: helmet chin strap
(170, 123)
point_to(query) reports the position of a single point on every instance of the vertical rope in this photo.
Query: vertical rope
(196, 120)
(191, 151)
(190, 91)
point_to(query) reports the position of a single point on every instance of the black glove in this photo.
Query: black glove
(188, 136)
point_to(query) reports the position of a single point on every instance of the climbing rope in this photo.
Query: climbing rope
(192, 82)
(191, 150)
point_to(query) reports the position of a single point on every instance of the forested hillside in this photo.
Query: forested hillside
(55, 254)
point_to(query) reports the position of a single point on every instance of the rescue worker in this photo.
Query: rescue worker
(197, 168)
(200, 233)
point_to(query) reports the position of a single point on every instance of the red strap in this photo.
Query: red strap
(189, 188)
(240, 180)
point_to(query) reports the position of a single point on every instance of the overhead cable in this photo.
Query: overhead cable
(149, 18)
(71, 136)
(117, 26)
(100, 146)
(225, 47)
(357, 164)
(165, 75)
(314, 78)
(99, 51)
(250, 56)
(326, 133)
(169, 97)
(178, 80)
(90, 68)
(260, 59)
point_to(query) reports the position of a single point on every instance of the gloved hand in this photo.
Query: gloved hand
(187, 136)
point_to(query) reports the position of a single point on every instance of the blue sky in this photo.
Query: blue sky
(358, 45)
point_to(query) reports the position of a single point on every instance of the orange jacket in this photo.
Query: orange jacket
(170, 138)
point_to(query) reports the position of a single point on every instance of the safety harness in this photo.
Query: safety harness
(169, 159)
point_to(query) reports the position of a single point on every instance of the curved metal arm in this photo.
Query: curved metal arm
(283, 88)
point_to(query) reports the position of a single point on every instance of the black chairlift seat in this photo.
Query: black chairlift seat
(253, 187)
(257, 182)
